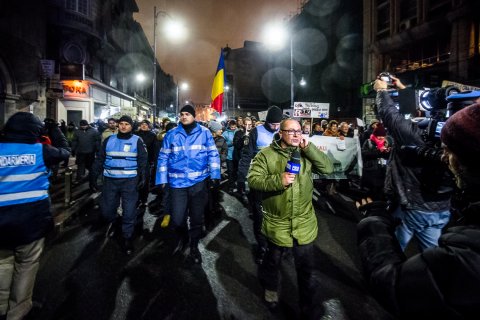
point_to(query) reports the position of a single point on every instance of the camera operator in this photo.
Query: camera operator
(441, 282)
(422, 210)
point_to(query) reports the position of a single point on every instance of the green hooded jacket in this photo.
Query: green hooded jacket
(288, 213)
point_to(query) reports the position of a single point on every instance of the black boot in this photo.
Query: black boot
(260, 256)
(112, 228)
(195, 257)
(128, 246)
(181, 236)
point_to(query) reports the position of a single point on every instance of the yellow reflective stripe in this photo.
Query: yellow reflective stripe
(21, 177)
(215, 165)
(212, 148)
(23, 195)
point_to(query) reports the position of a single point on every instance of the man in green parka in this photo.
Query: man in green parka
(289, 220)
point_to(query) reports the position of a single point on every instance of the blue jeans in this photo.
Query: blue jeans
(113, 190)
(189, 202)
(426, 226)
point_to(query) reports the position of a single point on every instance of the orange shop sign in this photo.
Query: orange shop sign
(75, 88)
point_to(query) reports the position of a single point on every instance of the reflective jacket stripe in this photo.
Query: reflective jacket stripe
(23, 177)
(23, 174)
(112, 172)
(121, 154)
(23, 195)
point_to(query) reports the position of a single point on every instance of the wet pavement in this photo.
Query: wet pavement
(85, 275)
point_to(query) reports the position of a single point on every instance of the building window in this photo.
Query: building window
(80, 6)
(408, 10)
(383, 18)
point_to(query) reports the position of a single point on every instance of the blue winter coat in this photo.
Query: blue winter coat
(228, 135)
(187, 159)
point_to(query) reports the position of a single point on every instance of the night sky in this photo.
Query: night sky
(212, 24)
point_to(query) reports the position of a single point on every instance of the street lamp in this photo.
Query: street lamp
(226, 88)
(173, 30)
(276, 36)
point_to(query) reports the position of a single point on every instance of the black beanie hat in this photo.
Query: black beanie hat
(24, 123)
(461, 135)
(126, 119)
(83, 122)
(188, 108)
(274, 115)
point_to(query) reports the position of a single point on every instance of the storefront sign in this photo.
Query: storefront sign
(75, 88)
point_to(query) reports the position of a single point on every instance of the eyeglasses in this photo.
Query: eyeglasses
(292, 132)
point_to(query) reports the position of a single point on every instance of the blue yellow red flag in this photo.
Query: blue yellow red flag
(218, 85)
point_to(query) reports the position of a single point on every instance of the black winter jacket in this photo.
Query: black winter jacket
(439, 283)
(402, 181)
(86, 141)
(24, 223)
(151, 142)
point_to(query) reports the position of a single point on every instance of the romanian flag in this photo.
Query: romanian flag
(218, 85)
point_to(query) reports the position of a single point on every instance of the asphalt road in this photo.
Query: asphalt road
(84, 275)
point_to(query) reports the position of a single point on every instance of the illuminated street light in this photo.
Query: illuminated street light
(275, 37)
(140, 77)
(302, 82)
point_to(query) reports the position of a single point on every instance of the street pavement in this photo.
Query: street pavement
(85, 275)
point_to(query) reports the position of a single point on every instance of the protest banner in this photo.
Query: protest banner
(345, 154)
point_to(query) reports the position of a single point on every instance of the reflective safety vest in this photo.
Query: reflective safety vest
(121, 157)
(23, 174)
(264, 137)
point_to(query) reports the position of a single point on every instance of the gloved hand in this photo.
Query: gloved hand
(93, 185)
(375, 208)
(140, 183)
(214, 183)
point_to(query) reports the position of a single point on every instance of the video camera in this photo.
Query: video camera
(442, 103)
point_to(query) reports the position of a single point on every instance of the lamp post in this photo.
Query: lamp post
(176, 30)
(227, 89)
(182, 86)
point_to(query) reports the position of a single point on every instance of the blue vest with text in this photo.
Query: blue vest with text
(264, 137)
(121, 157)
(23, 174)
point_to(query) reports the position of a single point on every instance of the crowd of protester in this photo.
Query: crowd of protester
(181, 165)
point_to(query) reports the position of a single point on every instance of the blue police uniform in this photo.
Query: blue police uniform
(23, 174)
(123, 162)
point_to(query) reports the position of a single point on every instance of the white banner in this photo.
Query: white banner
(345, 153)
(311, 110)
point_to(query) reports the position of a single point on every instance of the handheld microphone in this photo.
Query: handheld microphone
(293, 165)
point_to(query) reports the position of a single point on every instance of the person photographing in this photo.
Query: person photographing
(441, 282)
(289, 221)
(423, 211)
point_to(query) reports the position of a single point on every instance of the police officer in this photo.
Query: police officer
(123, 159)
(260, 137)
(25, 216)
